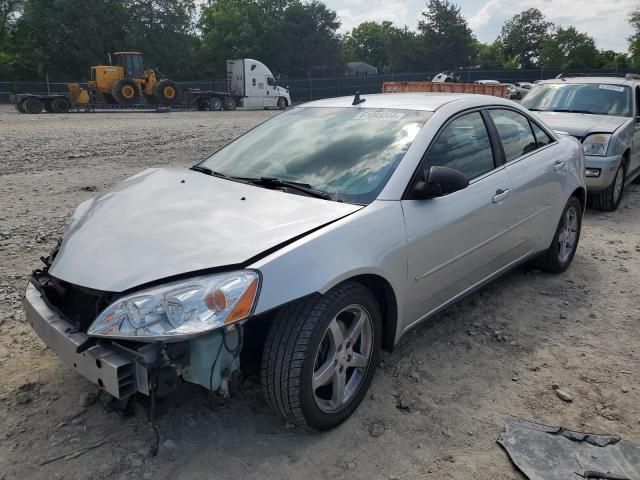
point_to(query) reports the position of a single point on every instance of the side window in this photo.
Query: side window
(515, 133)
(271, 82)
(463, 145)
(541, 136)
(637, 103)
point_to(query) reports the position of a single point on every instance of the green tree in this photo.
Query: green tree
(290, 36)
(383, 45)
(369, 42)
(570, 49)
(446, 36)
(8, 10)
(490, 55)
(164, 30)
(634, 39)
(522, 37)
(611, 60)
(64, 37)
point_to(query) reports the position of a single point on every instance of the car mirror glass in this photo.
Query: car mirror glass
(438, 182)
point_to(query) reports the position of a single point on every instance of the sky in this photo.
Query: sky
(605, 20)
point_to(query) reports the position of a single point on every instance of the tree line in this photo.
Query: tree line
(62, 38)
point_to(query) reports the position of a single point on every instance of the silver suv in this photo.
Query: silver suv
(604, 114)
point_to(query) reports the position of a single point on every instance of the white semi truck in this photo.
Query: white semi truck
(250, 84)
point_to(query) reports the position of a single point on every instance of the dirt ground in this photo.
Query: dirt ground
(436, 406)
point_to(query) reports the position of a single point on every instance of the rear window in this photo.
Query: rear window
(593, 98)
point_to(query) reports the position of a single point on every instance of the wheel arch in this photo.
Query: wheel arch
(626, 158)
(386, 298)
(581, 194)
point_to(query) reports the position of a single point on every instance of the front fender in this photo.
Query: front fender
(370, 241)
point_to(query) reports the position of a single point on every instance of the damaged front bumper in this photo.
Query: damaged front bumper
(122, 368)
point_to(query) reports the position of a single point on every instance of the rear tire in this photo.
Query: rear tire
(320, 356)
(560, 253)
(215, 104)
(229, 103)
(60, 105)
(126, 91)
(33, 105)
(609, 199)
(166, 92)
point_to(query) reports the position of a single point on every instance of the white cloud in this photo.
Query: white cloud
(605, 20)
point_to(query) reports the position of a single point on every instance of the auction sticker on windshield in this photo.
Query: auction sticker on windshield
(379, 116)
(615, 88)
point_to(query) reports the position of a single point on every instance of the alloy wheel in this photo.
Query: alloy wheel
(568, 235)
(343, 358)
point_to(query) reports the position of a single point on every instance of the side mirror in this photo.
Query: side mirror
(440, 181)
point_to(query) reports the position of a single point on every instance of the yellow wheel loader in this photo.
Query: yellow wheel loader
(111, 86)
(125, 82)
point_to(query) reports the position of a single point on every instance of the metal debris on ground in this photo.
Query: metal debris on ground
(542, 452)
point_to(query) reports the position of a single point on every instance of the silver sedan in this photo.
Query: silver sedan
(306, 246)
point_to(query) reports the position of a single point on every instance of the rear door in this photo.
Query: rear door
(538, 175)
(458, 240)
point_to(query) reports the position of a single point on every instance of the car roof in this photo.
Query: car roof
(606, 80)
(427, 101)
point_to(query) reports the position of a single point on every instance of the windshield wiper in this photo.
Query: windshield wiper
(273, 182)
(208, 171)
(569, 110)
(268, 182)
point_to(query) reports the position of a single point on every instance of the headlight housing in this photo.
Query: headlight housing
(180, 310)
(596, 144)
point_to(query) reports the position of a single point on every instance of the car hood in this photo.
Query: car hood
(166, 222)
(581, 124)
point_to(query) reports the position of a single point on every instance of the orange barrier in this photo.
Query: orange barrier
(406, 87)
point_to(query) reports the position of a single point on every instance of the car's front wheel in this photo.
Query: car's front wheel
(320, 356)
(608, 199)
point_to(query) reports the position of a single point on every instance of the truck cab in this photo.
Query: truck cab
(256, 86)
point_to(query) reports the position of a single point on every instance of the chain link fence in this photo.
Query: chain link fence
(314, 88)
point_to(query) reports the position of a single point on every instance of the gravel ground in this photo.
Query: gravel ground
(436, 406)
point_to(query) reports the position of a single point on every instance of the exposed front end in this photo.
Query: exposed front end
(61, 315)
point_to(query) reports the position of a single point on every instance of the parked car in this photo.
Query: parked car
(447, 77)
(487, 82)
(604, 114)
(513, 91)
(308, 245)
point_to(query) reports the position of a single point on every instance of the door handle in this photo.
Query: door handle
(500, 195)
(559, 165)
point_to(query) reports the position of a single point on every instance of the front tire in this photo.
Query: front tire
(166, 92)
(320, 356)
(282, 103)
(609, 199)
(560, 254)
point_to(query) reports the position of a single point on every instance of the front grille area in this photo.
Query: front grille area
(79, 306)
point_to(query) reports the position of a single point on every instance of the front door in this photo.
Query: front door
(271, 94)
(458, 240)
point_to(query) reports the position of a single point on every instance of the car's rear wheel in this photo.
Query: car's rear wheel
(608, 199)
(560, 253)
(320, 356)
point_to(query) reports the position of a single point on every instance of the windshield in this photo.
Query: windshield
(595, 98)
(348, 153)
